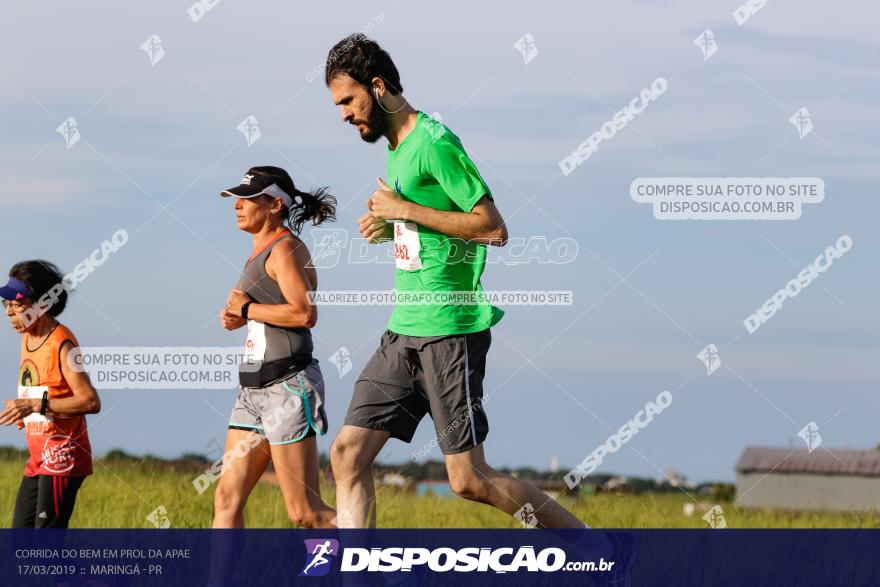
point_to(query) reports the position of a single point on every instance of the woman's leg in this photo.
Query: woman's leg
(297, 471)
(25, 513)
(248, 456)
(63, 491)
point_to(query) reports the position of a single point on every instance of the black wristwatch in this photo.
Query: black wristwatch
(44, 405)
(244, 309)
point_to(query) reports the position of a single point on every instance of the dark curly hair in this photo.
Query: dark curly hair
(362, 59)
(40, 276)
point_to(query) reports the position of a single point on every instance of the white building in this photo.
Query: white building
(795, 479)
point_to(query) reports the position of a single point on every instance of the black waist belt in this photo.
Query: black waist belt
(262, 374)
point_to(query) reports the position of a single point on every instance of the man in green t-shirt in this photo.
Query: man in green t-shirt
(441, 215)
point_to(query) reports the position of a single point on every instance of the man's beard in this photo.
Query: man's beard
(376, 123)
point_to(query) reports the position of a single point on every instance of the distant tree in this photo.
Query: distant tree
(724, 491)
(117, 454)
(10, 453)
(192, 457)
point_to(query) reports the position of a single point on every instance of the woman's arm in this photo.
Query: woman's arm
(286, 265)
(84, 400)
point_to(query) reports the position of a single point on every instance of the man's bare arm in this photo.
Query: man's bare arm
(483, 224)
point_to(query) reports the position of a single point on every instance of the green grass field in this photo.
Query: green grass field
(122, 494)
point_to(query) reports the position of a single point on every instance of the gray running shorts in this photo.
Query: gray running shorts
(410, 376)
(286, 411)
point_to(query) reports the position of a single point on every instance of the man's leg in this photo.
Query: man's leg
(453, 372)
(351, 456)
(472, 478)
(385, 403)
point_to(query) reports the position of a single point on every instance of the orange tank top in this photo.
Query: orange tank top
(57, 445)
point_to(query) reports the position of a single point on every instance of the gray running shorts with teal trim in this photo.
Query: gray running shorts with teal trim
(285, 411)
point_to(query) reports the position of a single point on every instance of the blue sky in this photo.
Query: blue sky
(166, 136)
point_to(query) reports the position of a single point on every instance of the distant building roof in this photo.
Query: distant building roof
(800, 460)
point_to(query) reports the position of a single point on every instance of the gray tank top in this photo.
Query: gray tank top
(266, 342)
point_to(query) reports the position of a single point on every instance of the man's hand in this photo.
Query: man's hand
(387, 205)
(235, 301)
(231, 321)
(374, 229)
(17, 410)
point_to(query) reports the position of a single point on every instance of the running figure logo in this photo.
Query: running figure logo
(250, 129)
(153, 48)
(320, 554)
(527, 48)
(810, 435)
(802, 122)
(526, 516)
(706, 43)
(69, 130)
(434, 126)
(342, 360)
(710, 357)
(159, 517)
(329, 245)
(715, 518)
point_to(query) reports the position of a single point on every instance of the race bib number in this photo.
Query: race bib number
(407, 246)
(33, 392)
(255, 347)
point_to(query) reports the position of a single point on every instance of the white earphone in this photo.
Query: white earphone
(376, 92)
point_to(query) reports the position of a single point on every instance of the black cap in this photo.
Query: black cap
(269, 181)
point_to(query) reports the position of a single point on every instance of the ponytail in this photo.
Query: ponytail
(317, 206)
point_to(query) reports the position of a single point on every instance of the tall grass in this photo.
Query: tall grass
(122, 494)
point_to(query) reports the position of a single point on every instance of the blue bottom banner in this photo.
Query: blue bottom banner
(440, 557)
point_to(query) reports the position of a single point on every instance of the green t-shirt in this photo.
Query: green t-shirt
(430, 167)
